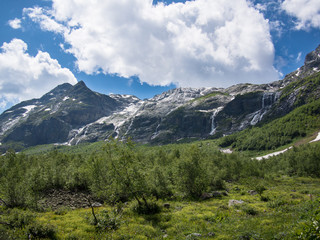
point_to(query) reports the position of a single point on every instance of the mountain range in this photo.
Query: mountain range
(70, 115)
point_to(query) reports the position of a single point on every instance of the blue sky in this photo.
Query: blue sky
(143, 48)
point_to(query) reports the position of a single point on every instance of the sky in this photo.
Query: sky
(145, 47)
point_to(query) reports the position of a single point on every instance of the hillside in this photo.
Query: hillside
(118, 190)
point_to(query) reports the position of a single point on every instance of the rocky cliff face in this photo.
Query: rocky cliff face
(74, 114)
(52, 118)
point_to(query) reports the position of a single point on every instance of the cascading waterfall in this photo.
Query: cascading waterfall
(263, 99)
(268, 98)
(213, 124)
(156, 133)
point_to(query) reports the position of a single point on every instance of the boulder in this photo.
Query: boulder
(217, 194)
(252, 192)
(194, 236)
(233, 202)
(206, 196)
(166, 205)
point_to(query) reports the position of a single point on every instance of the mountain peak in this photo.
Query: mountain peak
(81, 87)
(313, 58)
(80, 83)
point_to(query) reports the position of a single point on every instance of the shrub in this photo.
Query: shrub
(147, 209)
(260, 189)
(310, 230)
(108, 220)
(18, 219)
(276, 203)
(250, 211)
(38, 230)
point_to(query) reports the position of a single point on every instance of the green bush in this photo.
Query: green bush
(108, 220)
(147, 209)
(309, 230)
(38, 230)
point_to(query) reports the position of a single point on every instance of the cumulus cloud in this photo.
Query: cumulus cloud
(196, 43)
(15, 23)
(24, 77)
(307, 12)
(42, 16)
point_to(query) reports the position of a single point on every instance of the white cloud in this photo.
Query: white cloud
(307, 12)
(298, 59)
(42, 17)
(24, 77)
(15, 23)
(197, 43)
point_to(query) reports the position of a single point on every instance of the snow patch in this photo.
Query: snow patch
(226, 151)
(28, 108)
(126, 96)
(117, 119)
(316, 139)
(273, 154)
(9, 124)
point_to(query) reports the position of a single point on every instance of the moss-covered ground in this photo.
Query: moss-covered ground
(280, 212)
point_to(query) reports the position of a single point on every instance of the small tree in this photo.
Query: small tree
(260, 189)
(13, 187)
(191, 174)
(127, 173)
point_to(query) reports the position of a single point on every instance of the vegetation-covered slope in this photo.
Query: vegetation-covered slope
(164, 189)
(298, 123)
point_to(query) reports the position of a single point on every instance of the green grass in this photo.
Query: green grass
(289, 206)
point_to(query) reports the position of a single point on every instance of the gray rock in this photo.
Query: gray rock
(166, 205)
(233, 202)
(206, 196)
(217, 194)
(194, 236)
(96, 204)
(252, 192)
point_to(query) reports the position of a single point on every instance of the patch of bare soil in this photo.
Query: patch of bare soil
(56, 199)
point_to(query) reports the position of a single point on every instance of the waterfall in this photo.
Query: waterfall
(213, 124)
(256, 118)
(156, 133)
(268, 98)
(263, 100)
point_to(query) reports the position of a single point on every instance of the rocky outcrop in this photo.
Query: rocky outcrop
(55, 117)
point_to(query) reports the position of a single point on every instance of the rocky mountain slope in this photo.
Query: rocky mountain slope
(74, 114)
